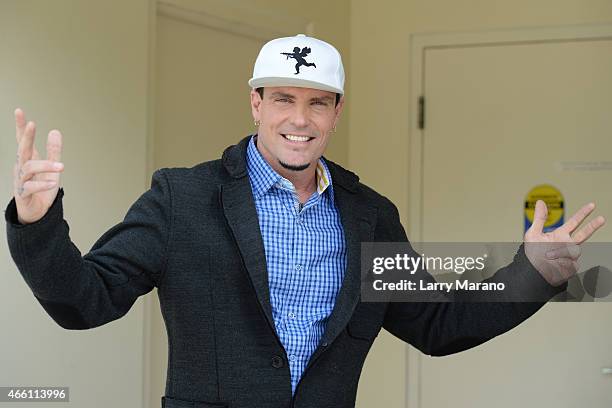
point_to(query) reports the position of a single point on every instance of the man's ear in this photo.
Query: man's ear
(255, 104)
(339, 107)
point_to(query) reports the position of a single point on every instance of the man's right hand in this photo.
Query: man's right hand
(35, 181)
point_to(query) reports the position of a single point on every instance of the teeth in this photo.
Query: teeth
(297, 138)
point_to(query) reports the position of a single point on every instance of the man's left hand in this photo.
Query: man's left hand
(555, 254)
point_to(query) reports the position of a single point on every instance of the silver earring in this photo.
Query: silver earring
(257, 122)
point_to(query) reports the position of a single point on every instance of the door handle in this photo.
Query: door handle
(606, 370)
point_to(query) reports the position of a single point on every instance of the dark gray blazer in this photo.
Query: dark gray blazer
(195, 236)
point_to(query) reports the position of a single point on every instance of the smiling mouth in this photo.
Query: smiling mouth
(296, 138)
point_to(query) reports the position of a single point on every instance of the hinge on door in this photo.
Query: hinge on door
(421, 112)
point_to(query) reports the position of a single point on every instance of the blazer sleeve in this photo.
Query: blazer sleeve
(447, 327)
(82, 292)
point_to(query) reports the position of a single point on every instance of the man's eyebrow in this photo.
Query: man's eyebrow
(322, 98)
(282, 95)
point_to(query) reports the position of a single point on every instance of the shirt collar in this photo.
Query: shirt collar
(263, 176)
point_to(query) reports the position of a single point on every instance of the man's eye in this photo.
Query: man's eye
(320, 103)
(282, 100)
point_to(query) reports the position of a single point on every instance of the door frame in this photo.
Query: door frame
(419, 44)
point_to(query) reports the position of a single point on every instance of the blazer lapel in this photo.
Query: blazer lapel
(358, 221)
(239, 208)
(241, 216)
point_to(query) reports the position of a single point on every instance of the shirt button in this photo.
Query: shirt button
(298, 267)
(277, 362)
(324, 344)
(291, 315)
(292, 357)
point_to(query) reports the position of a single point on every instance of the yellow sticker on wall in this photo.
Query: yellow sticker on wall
(554, 202)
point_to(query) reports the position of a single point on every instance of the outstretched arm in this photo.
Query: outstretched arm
(442, 328)
(127, 261)
(81, 292)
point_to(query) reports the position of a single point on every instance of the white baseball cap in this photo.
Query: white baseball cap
(300, 61)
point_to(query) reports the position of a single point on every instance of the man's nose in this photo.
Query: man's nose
(299, 117)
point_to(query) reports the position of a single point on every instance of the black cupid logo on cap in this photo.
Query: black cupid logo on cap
(299, 57)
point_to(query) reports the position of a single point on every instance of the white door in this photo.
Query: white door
(501, 119)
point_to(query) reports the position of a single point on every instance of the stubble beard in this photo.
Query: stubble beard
(294, 167)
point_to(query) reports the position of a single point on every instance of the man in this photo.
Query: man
(256, 255)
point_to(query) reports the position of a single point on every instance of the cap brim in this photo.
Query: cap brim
(301, 83)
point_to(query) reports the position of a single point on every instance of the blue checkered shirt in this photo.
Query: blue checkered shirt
(305, 254)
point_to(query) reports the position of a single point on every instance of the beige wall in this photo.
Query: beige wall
(80, 67)
(380, 72)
